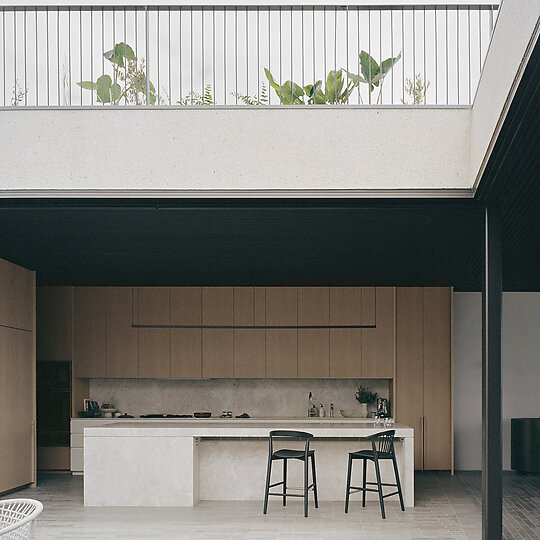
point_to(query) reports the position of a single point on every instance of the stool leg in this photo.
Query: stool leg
(348, 484)
(284, 482)
(306, 487)
(267, 488)
(379, 485)
(314, 478)
(364, 473)
(396, 473)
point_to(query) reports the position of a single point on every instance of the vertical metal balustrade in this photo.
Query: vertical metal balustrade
(185, 56)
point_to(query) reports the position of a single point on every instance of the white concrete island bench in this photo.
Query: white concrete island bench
(178, 463)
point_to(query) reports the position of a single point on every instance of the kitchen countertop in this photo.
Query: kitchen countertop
(336, 420)
(239, 428)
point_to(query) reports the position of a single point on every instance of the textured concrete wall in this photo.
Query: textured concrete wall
(276, 149)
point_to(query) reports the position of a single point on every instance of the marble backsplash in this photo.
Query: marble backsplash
(262, 398)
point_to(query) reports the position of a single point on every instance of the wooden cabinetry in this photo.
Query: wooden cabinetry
(217, 306)
(186, 353)
(281, 306)
(17, 379)
(16, 296)
(378, 347)
(151, 305)
(54, 318)
(243, 311)
(186, 306)
(249, 353)
(345, 353)
(122, 357)
(281, 353)
(352, 306)
(217, 352)
(89, 332)
(314, 353)
(154, 353)
(423, 372)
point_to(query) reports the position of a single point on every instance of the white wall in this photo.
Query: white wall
(513, 32)
(521, 370)
(209, 149)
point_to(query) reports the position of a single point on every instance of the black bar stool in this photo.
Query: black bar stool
(382, 447)
(285, 455)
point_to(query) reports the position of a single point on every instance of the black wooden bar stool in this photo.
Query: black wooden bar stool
(382, 447)
(285, 455)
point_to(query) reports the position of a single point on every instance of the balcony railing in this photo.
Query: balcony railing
(242, 55)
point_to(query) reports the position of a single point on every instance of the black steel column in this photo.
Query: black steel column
(492, 375)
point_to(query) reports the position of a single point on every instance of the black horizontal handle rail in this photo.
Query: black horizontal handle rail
(245, 327)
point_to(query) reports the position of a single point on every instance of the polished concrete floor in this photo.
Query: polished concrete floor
(446, 508)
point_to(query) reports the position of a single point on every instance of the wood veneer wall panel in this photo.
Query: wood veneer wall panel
(437, 379)
(313, 306)
(151, 305)
(369, 305)
(186, 353)
(259, 306)
(313, 353)
(186, 305)
(249, 353)
(345, 306)
(409, 405)
(89, 332)
(217, 352)
(154, 353)
(378, 349)
(345, 353)
(122, 339)
(281, 353)
(243, 306)
(217, 306)
(281, 306)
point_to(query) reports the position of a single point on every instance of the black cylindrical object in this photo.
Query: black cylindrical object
(526, 444)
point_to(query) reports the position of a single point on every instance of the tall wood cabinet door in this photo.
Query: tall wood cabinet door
(259, 306)
(243, 306)
(54, 324)
(186, 353)
(369, 305)
(89, 332)
(345, 353)
(281, 306)
(313, 306)
(313, 353)
(409, 406)
(186, 306)
(281, 353)
(151, 305)
(17, 406)
(437, 378)
(378, 343)
(217, 352)
(16, 296)
(154, 353)
(346, 306)
(249, 353)
(122, 338)
(217, 306)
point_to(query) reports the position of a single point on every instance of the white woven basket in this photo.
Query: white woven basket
(17, 518)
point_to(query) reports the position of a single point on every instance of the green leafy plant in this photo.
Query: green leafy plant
(129, 72)
(416, 90)
(246, 99)
(196, 98)
(372, 73)
(363, 395)
(335, 90)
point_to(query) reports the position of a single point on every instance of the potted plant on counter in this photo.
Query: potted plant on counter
(364, 397)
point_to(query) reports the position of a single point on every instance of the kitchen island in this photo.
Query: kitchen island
(179, 462)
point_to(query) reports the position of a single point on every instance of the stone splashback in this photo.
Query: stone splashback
(258, 397)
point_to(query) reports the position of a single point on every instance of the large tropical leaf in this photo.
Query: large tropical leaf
(271, 80)
(334, 85)
(103, 89)
(368, 67)
(87, 85)
(386, 66)
(120, 51)
(290, 93)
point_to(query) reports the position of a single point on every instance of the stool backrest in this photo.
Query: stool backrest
(383, 442)
(289, 434)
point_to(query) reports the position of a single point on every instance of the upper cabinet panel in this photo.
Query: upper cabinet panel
(346, 306)
(16, 296)
(369, 305)
(151, 305)
(281, 306)
(186, 306)
(89, 332)
(313, 306)
(243, 306)
(259, 306)
(217, 306)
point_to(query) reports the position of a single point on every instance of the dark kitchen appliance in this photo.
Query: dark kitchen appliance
(525, 445)
(383, 408)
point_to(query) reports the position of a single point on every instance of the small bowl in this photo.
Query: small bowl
(346, 413)
(202, 414)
